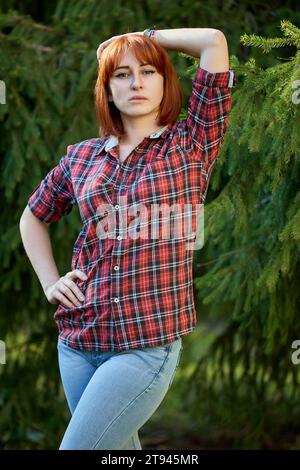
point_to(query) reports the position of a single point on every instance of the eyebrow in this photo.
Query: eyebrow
(127, 67)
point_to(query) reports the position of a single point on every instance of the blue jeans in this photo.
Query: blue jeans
(112, 394)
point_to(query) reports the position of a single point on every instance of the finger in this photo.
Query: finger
(98, 52)
(75, 289)
(77, 273)
(81, 275)
(67, 292)
(63, 300)
(103, 45)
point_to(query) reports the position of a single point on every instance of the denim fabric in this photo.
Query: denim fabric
(112, 394)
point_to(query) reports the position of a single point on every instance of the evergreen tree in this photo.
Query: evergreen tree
(247, 273)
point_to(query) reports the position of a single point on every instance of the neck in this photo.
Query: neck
(136, 131)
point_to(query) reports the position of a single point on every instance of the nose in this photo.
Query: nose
(136, 81)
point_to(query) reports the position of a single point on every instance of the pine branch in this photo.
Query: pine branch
(26, 44)
(264, 43)
(290, 30)
(15, 19)
(267, 44)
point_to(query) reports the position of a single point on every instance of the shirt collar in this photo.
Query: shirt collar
(114, 140)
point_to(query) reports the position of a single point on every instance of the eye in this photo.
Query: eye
(145, 71)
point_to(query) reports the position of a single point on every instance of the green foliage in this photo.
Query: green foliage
(251, 256)
(252, 233)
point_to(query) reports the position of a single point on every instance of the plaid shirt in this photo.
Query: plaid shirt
(139, 291)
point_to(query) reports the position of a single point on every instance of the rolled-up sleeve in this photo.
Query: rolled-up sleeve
(208, 111)
(54, 195)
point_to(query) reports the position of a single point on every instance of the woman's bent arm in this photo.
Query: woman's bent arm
(37, 244)
(207, 43)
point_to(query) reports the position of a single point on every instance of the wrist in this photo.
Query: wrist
(49, 284)
(150, 32)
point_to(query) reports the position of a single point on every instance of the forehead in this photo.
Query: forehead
(129, 58)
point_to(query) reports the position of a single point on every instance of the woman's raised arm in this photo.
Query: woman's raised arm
(207, 43)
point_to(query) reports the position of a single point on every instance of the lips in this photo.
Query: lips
(137, 98)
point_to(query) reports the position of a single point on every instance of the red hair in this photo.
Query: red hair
(145, 50)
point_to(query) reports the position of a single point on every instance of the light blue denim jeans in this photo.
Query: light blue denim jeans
(112, 394)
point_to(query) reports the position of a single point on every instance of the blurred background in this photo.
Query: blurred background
(237, 384)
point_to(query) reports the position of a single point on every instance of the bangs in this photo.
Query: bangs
(144, 52)
(147, 51)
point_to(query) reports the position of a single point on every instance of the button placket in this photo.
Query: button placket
(116, 267)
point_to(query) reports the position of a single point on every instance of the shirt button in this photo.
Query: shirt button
(119, 237)
(117, 206)
(116, 300)
(116, 268)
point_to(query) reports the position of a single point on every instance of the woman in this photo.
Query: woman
(128, 300)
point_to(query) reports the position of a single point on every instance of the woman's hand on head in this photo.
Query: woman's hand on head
(104, 44)
(65, 291)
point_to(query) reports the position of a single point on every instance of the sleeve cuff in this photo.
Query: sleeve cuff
(216, 79)
(41, 211)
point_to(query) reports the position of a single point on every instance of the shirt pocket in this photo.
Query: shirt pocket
(165, 178)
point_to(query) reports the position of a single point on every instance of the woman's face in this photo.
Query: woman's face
(132, 78)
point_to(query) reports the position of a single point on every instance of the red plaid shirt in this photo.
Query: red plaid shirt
(139, 291)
